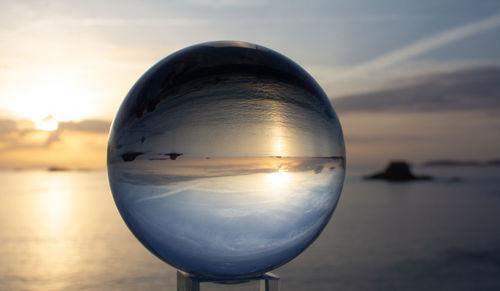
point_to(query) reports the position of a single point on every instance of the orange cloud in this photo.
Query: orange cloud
(73, 145)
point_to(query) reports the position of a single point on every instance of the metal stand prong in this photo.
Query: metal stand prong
(186, 282)
(270, 282)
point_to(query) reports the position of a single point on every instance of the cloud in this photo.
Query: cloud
(14, 134)
(130, 22)
(422, 46)
(7, 126)
(467, 90)
(87, 125)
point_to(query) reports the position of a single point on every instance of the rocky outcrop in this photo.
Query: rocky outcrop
(130, 156)
(397, 171)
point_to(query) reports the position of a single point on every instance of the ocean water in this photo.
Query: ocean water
(62, 231)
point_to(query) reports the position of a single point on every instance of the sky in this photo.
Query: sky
(414, 80)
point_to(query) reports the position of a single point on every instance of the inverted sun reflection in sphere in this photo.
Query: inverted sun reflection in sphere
(226, 159)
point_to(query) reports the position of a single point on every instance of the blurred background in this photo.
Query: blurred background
(410, 80)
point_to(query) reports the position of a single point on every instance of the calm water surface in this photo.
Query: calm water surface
(61, 231)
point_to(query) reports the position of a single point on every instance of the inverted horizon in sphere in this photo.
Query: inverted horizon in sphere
(226, 159)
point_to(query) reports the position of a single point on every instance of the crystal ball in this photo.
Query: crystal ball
(226, 159)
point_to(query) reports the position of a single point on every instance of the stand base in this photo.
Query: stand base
(188, 282)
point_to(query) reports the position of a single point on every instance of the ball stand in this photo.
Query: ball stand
(189, 282)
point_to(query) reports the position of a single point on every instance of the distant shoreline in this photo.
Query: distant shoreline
(460, 163)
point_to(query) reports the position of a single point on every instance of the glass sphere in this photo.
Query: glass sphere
(226, 159)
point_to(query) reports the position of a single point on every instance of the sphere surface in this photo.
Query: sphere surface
(226, 159)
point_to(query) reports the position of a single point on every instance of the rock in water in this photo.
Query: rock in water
(397, 171)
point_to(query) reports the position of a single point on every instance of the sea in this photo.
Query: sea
(62, 231)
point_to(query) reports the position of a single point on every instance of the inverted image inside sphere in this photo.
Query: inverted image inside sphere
(226, 159)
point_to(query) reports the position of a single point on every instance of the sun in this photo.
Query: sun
(62, 96)
(47, 124)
